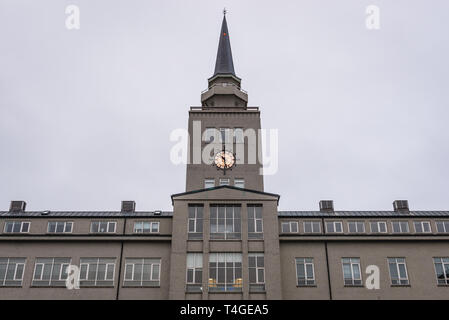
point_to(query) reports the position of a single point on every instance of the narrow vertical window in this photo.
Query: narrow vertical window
(194, 277)
(351, 272)
(305, 273)
(195, 222)
(255, 222)
(256, 265)
(398, 271)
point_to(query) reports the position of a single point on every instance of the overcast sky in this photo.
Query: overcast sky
(85, 115)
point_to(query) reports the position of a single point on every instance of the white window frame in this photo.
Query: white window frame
(196, 256)
(378, 223)
(334, 224)
(108, 264)
(142, 229)
(226, 233)
(65, 223)
(195, 220)
(239, 181)
(60, 278)
(224, 182)
(8, 262)
(290, 228)
(305, 263)
(397, 263)
(422, 223)
(256, 256)
(443, 265)
(401, 224)
(445, 224)
(107, 229)
(22, 223)
(313, 224)
(357, 224)
(353, 261)
(152, 266)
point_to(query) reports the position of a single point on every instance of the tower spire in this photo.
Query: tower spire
(224, 63)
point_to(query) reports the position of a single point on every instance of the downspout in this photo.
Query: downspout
(327, 261)
(120, 262)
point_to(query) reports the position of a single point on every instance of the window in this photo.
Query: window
(305, 274)
(140, 272)
(102, 227)
(334, 227)
(398, 271)
(50, 271)
(256, 272)
(238, 135)
(195, 222)
(312, 227)
(356, 227)
(17, 227)
(239, 183)
(97, 272)
(11, 272)
(422, 227)
(289, 227)
(224, 181)
(194, 272)
(225, 222)
(441, 270)
(146, 227)
(59, 227)
(255, 225)
(209, 134)
(225, 272)
(400, 226)
(443, 226)
(209, 183)
(378, 227)
(351, 272)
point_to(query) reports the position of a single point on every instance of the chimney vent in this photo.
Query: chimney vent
(401, 206)
(17, 206)
(128, 206)
(326, 206)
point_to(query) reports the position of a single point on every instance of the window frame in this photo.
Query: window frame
(60, 281)
(307, 279)
(65, 223)
(209, 180)
(352, 263)
(445, 268)
(236, 219)
(400, 278)
(377, 225)
(401, 223)
(334, 223)
(18, 282)
(14, 222)
(290, 224)
(422, 223)
(357, 224)
(140, 282)
(107, 228)
(152, 223)
(258, 286)
(312, 223)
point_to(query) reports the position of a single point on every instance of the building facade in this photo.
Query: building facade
(225, 238)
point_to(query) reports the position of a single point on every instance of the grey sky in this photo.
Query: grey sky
(85, 116)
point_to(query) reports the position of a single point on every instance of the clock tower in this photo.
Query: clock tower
(224, 132)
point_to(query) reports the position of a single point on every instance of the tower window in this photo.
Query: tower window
(224, 182)
(209, 183)
(239, 182)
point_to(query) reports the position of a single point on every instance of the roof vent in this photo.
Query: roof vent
(401, 206)
(17, 206)
(326, 206)
(45, 213)
(157, 213)
(128, 206)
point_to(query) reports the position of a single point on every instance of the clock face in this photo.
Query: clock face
(224, 160)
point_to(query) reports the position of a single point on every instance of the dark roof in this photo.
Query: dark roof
(227, 187)
(224, 63)
(96, 214)
(394, 214)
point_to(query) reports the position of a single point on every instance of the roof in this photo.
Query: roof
(394, 214)
(88, 214)
(224, 63)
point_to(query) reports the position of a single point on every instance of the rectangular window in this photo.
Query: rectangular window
(422, 227)
(289, 227)
(103, 227)
(442, 226)
(351, 272)
(11, 272)
(398, 271)
(400, 226)
(312, 227)
(141, 272)
(209, 183)
(97, 272)
(225, 272)
(59, 227)
(224, 181)
(225, 222)
(238, 135)
(356, 227)
(334, 227)
(194, 277)
(442, 270)
(255, 222)
(239, 183)
(256, 265)
(17, 227)
(305, 272)
(146, 227)
(50, 272)
(378, 227)
(195, 222)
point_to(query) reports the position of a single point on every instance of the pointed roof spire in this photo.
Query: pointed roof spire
(224, 63)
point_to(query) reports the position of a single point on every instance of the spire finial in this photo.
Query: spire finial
(225, 11)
